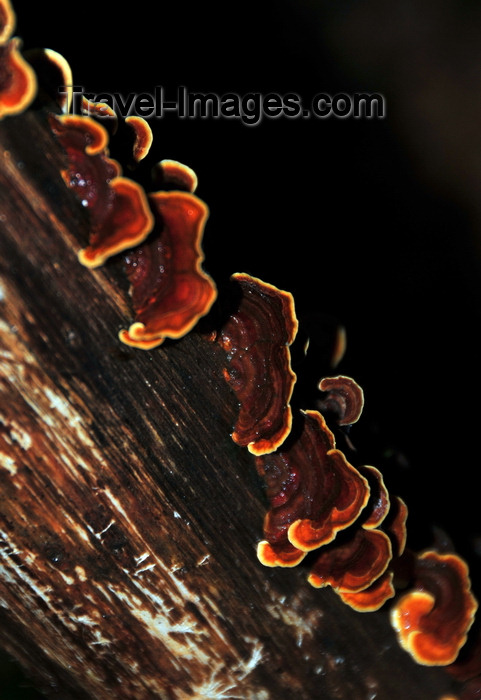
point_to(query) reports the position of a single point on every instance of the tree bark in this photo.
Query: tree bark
(128, 517)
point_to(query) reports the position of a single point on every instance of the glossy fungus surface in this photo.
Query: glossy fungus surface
(120, 216)
(256, 338)
(313, 493)
(354, 563)
(433, 618)
(169, 289)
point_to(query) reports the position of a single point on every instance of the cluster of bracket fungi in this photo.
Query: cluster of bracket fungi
(320, 505)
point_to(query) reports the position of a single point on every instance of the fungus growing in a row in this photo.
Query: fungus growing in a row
(18, 82)
(256, 338)
(120, 216)
(345, 399)
(433, 618)
(354, 563)
(373, 597)
(313, 493)
(357, 564)
(170, 291)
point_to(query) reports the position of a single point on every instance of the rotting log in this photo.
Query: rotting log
(128, 516)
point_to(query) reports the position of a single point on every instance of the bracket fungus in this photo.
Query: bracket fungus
(345, 399)
(18, 82)
(313, 492)
(120, 215)
(169, 289)
(143, 137)
(433, 618)
(353, 564)
(256, 338)
(359, 564)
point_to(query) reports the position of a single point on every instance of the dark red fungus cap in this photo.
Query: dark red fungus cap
(433, 618)
(353, 564)
(256, 338)
(169, 289)
(18, 82)
(120, 216)
(313, 492)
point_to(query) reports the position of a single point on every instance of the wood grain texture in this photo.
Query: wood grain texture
(128, 517)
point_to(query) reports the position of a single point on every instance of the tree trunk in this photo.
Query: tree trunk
(128, 517)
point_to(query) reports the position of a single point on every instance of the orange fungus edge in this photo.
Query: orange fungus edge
(371, 598)
(268, 557)
(23, 84)
(92, 257)
(97, 134)
(9, 20)
(143, 136)
(407, 615)
(138, 335)
(174, 171)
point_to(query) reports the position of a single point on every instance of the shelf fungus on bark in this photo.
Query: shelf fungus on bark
(373, 597)
(344, 400)
(433, 618)
(18, 82)
(256, 338)
(357, 565)
(170, 291)
(313, 492)
(351, 564)
(120, 216)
